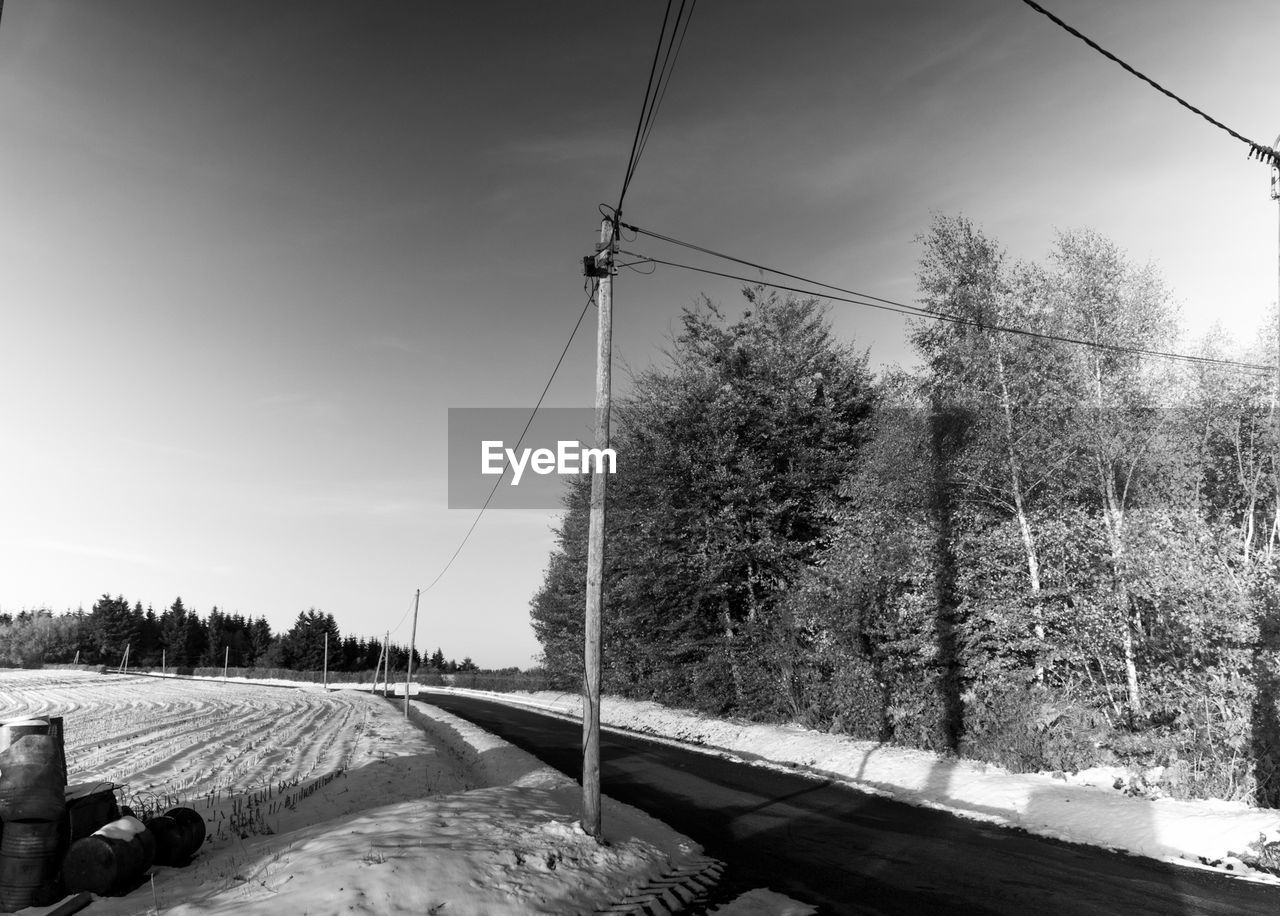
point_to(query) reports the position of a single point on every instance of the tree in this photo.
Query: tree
(1099, 296)
(173, 633)
(728, 458)
(1001, 388)
(113, 627)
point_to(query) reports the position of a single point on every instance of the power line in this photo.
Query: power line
(656, 89)
(533, 413)
(403, 617)
(1256, 150)
(633, 157)
(891, 305)
(755, 266)
(667, 70)
(917, 312)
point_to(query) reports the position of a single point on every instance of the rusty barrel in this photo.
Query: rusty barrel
(33, 779)
(110, 861)
(179, 834)
(30, 856)
(171, 840)
(13, 729)
(191, 823)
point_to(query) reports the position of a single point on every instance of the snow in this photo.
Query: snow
(1081, 808)
(326, 802)
(764, 902)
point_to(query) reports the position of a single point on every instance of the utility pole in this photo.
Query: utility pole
(601, 268)
(1275, 195)
(226, 658)
(413, 636)
(324, 677)
(386, 663)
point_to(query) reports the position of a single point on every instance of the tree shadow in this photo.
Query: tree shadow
(946, 430)
(1265, 720)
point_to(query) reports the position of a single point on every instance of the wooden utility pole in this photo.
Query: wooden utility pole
(164, 669)
(324, 677)
(413, 636)
(1275, 195)
(603, 272)
(226, 658)
(386, 662)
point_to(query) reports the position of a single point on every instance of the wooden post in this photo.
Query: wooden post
(226, 657)
(1275, 195)
(377, 669)
(595, 545)
(386, 662)
(413, 635)
(124, 662)
(324, 677)
(77, 661)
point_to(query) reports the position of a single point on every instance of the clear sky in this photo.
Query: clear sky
(251, 252)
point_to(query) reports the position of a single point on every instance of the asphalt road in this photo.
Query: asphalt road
(847, 852)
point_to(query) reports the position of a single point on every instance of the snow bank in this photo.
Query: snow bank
(442, 818)
(1081, 808)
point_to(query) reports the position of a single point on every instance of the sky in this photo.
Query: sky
(251, 253)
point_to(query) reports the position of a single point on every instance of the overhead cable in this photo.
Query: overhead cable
(1256, 150)
(533, 413)
(889, 305)
(664, 80)
(655, 90)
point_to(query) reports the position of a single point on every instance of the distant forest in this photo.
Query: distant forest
(1047, 550)
(182, 639)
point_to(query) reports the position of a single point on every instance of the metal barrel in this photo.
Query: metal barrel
(172, 840)
(111, 861)
(191, 823)
(13, 729)
(29, 863)
(32, 780)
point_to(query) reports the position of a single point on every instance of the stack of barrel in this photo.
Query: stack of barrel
(114, 859)
(33, 780)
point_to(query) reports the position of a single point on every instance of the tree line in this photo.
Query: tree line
(1048, 550)
(181, 638)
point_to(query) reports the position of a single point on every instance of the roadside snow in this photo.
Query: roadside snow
(432, 815)
(1084, 808)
